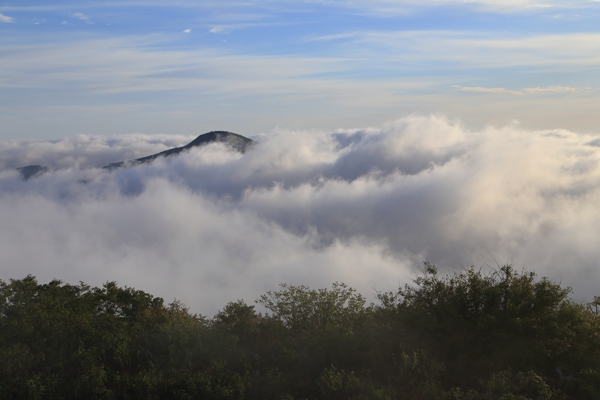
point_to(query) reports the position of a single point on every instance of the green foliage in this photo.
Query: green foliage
(338, 384)
(503, 335)
(61, 341)
(507, 385)
(300, 308)
(238, 319)
(484, 323)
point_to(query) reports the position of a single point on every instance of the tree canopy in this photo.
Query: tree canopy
(498, 334)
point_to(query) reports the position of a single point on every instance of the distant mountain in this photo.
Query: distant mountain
(32, 171)
(235, 141)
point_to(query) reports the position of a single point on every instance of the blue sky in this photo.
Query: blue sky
(186, 67)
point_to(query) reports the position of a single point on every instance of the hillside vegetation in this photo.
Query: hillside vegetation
(506, 335)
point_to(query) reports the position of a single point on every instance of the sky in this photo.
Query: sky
(187, 67)
(390, 132)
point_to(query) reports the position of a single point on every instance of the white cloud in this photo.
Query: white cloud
(217, 29)
(187, 31)
(134, 65)
(413, 73)
(362, 206)
(82, 17)
(468, 50)
(529, 90)
(6, 18)
(391, 7)
(551, 89)
(480, 89)
(232, 11)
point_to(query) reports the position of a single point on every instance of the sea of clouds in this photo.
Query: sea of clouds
(360, 206)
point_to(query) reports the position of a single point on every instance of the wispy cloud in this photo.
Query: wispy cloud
(529, 90)
(113, 66)
(480, 89)
(412, 74)
(217, 29)
(394, 7)
(6, 18)
(235, 10)
(551, 89)
(333, 37)
(146, 66)
(82, 17)
(187, 30)
(480, 50)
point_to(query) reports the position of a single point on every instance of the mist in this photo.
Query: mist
(363, 206)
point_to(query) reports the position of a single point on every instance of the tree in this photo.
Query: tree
(480, 323)
(301, 308)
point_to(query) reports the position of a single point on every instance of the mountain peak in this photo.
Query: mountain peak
(32, 171)
(235, 141)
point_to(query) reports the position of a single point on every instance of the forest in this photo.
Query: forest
(502, 333)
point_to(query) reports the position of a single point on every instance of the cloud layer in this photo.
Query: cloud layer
(362, 206)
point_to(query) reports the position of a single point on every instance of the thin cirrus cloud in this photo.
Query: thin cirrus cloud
(6, 18)
(529, 90)
(139, 61)
(205, 84)
(551, 89)
(467, 49)
(480, 89)
(483, 5)
(82, 17)
(281, 5)
(362, 206)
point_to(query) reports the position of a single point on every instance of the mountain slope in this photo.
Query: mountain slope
(237, 142)
(31, 171)
(233, 140)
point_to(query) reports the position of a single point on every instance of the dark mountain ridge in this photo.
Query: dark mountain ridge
(237, 142)
(32, 171)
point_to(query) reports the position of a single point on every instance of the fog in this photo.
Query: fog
(362, 206)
